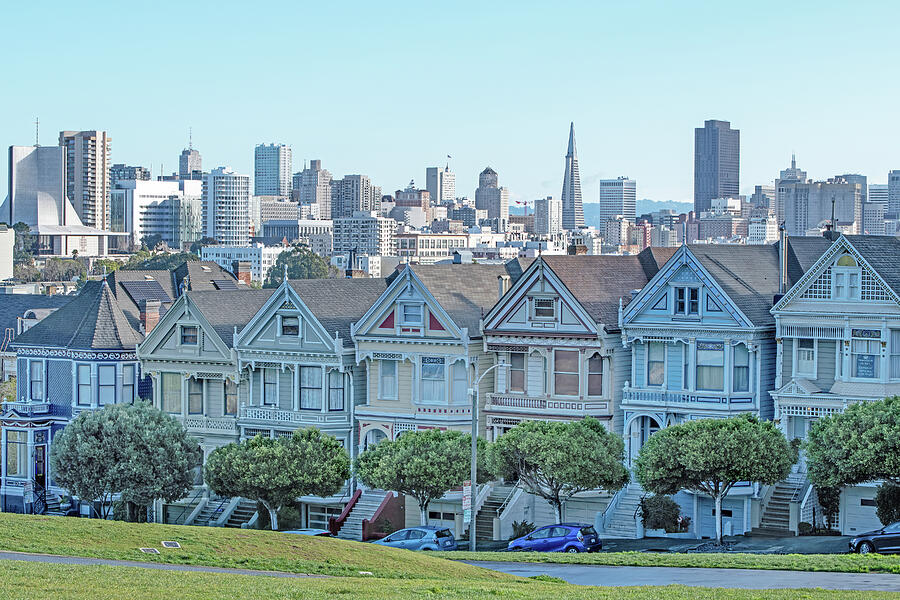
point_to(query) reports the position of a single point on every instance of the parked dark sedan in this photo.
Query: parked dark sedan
(884, 540)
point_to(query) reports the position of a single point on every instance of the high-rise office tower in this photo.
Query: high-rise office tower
(353, 193)
(618, 197)
(857, 178)
(894, 192)
(123, 172)
(572, 210)
(764, 197)
(491, 197)
(441, 185)
(226, 207)
(88, 156)
(809, 206)
(190, 165)
(272, 173)
(792, 175)
(717, 162)
(547, 216)
(312, 187)
(878, 192)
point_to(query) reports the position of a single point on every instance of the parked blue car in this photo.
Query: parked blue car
(564, 537)
(425, 537)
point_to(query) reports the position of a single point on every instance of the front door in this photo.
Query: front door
(40, 466)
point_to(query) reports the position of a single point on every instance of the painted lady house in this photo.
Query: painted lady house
(702, 341)
(838, 334)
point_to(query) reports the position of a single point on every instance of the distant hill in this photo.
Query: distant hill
(592, 209)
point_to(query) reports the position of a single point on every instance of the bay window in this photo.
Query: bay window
(106, 383)
(895, 353)
(128, 382)
(711, 366)
(865, 356)
(270, 387)
(195, 396)
(434, 388)
(310, 388)
(460, 384)
(565, 372)
(387, 376)
(656, 363)
(335, 390)
(83, 374)
(806, 357)
(740, 370)
(595, 375)
(36, 379)
(16, 453)
(517, 372)
(231, 398)
(171, 392)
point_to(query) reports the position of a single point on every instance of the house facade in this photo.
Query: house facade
(80, 357)
(838, 342)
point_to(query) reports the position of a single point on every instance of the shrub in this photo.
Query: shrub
(521, 528)
(805, 528)
(887, 503)
(660, 512)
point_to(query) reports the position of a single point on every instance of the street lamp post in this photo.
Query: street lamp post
(473, 391)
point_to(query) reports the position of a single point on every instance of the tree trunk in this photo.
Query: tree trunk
(273, 515)
(557, 507)
(719, 519)
(423, 512)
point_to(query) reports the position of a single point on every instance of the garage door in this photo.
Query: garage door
(859, 510)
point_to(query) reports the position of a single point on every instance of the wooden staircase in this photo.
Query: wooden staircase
(364, 509)
(623, 523)
(484, 520)
(776, 515)
(241, 514)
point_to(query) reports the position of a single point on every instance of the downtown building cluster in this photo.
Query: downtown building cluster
(639, 342)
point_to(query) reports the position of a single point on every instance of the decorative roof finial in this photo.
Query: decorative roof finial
(285, 273)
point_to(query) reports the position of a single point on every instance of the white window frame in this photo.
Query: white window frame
(441, 383)
(577, 372)
(311, 391)
(523, 370)
(698, 366)
(192, 381)
(129, 383)
(42, 381)
(459, 382)
(393, 392)
(534, 308)
(162, 392)
(796, 359)
(181, 341)
(79, 384)
(878, 360)
(734, 367)
(686, 312)
(893, 353)
(335, 374)
(101, 368)
(402, 316)
(664, 365)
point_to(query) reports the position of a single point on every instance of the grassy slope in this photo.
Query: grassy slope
(840, 563)
(220, 547)
(34, 581)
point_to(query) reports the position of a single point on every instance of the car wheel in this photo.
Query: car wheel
(571, 549)
(426, 549)
(865, 548)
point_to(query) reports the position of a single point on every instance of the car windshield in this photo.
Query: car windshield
(588, 531)
(443, 533)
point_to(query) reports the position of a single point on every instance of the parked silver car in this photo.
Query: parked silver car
(425, 537)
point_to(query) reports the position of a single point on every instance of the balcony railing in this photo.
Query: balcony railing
(28, 409)
(277, 415)
(211, 424)
(527, 404)
(665, 397)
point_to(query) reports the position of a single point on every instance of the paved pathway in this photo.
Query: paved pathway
(723, 578)
(80, 560)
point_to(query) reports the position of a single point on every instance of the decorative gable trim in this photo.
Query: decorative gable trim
(168, 325)
(683, 267)
(811, 285)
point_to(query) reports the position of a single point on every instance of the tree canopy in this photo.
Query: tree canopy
(556, 460)
(424, 464)
(710, 456)
(145, 260)
(134, 450)
(859, 445)
(275, 472)
(301, 263)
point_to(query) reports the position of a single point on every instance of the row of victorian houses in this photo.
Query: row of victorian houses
(791, 332)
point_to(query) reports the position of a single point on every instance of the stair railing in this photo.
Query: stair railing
(506, 501)
(39, 504)
(602, 519)
(217, 509)
(183, 513)
(483, 493)
(335, 523)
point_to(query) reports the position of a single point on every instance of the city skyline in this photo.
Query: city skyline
(392, 140)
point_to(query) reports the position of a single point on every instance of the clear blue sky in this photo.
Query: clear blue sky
(389, 88)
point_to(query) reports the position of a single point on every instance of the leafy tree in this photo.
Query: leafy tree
(830, 501)
(24, 245)
(423, 464)
(709, 456)
(8, 389)
(105, 265)
(64, 269)
(134, 450)
(660, 512)
(887, 503)
(557, 460)
(204, 241)
(151, 241)
(26, 271)
(301, 264)
(859, 445)
(144, 260)
(275, 472)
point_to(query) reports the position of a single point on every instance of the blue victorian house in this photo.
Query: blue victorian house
(81, 357)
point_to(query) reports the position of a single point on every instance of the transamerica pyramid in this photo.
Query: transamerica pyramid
(572, 210)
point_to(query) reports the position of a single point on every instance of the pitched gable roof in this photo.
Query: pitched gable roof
(803, 252)
(13, 306)
(227, 310)
(598, 282)
(201, 274)
(118, 280)
(466, 291)
(338, 303)
(93, 320)
(883, 254)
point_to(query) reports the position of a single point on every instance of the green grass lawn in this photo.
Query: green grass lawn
(35, 581)
(221, 547)
(840, 563)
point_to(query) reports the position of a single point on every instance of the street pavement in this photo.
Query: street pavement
(751, 579)
(79, 560)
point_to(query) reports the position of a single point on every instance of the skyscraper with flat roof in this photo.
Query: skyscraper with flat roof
(491, 197)
(272, 171)
(88, 156)
(441, 185)
(226, 207)
(190, 165)
(717, 163)
(572, 209)
(618, 197)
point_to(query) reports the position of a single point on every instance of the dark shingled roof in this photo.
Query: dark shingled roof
(93, 320)
(803, 252)
(599, 281)
(13, 306)
(226, 310)
(201, 273)
(883, 253)
(129, 306)
(338, 303)
(466, 291)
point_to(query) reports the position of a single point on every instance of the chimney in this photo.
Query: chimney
(502, 285)
(149, 314)
(241, 270)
